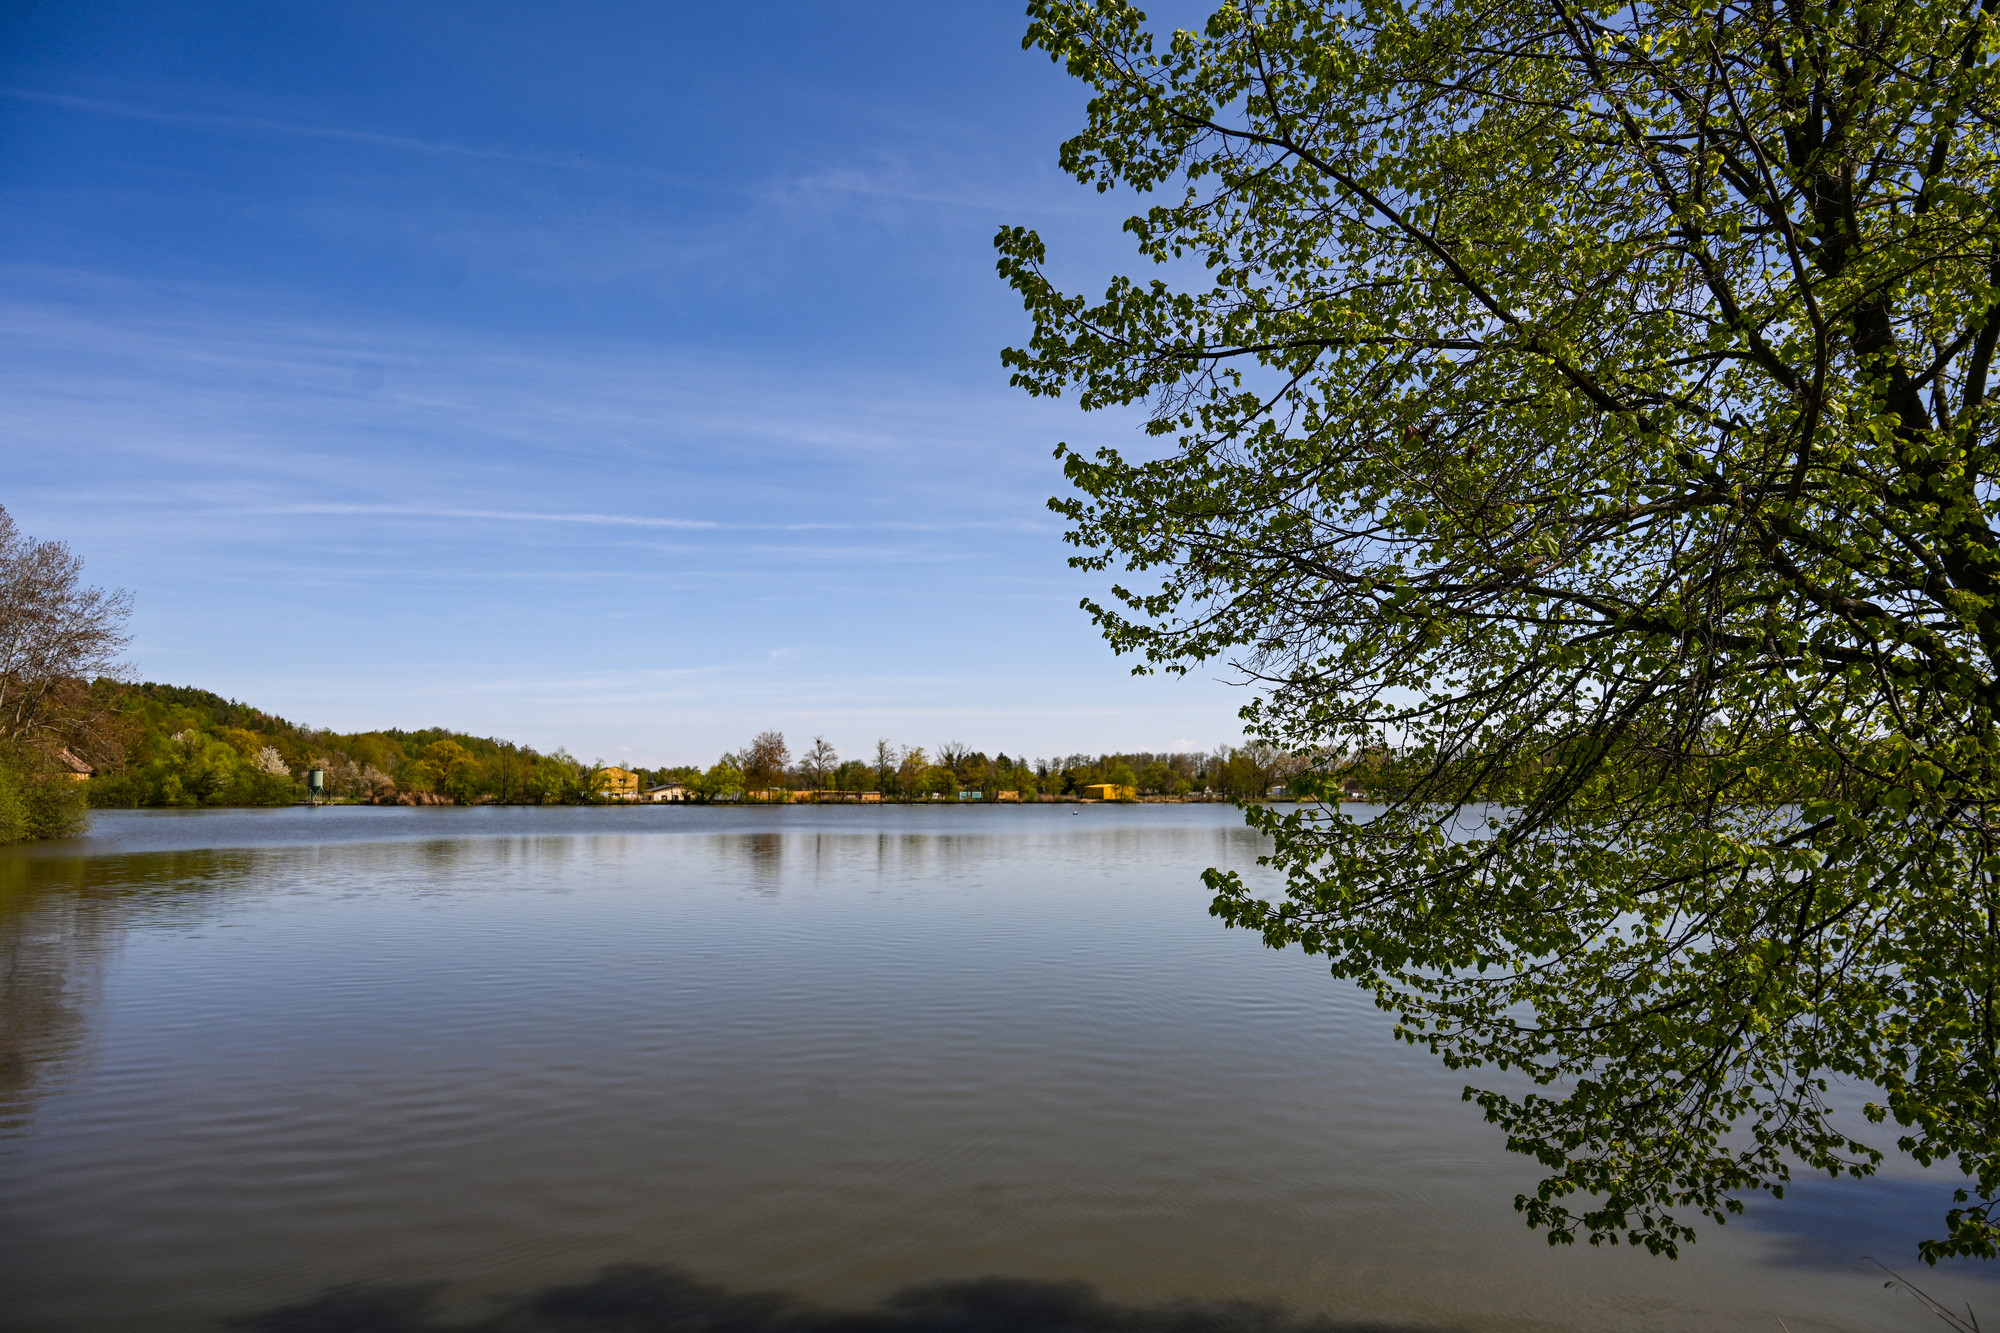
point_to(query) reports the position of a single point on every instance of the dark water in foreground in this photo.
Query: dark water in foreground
(650, 1068)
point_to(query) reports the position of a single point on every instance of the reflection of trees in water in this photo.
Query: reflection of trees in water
(902, 855)
(61, 918)
(765, 855)
(54, 936)
(635, 1299)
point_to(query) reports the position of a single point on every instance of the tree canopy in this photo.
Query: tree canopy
(56, 634)
(1591, 405)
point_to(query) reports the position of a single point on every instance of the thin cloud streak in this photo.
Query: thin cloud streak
(631, 520)
(495, 515)
(975, 196)
(225, 123)
(564, 398)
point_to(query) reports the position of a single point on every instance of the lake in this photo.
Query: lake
(895, 1068)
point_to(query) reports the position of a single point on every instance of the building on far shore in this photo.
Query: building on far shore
(672, 791)
(1110, 791)
(618, 784)
(77, 768)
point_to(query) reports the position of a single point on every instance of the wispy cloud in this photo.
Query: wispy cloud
(233, 384)
(633, 520)
(228, 123)
(192, 441)
(938, 178)
(498, 515)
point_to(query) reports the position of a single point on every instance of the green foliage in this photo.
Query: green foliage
(1586, 407)
(1243, 778)
(852, 776)
(722, 782)
(192, 768)
(188, 747)
(38, 797)
(687, 775)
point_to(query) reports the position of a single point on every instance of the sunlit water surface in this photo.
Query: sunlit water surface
(349, 1069)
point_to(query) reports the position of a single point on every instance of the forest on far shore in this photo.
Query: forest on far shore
(173, 745)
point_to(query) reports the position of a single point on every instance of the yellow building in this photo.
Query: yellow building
(618, 784)
(1110, 791)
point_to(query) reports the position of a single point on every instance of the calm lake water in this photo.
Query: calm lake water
(865, 1068)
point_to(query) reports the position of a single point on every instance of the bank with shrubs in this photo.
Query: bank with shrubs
(40, 795)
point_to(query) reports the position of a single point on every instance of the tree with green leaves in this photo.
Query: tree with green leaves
(1589, 406)
(723, 781)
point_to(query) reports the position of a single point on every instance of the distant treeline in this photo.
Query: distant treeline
(171, 745)
(957, 771)
(178, 746)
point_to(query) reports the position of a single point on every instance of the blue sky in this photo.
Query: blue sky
(620, 377)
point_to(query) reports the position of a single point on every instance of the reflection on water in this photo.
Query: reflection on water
(51, 962)
(637, 1299)
(918, 1069)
